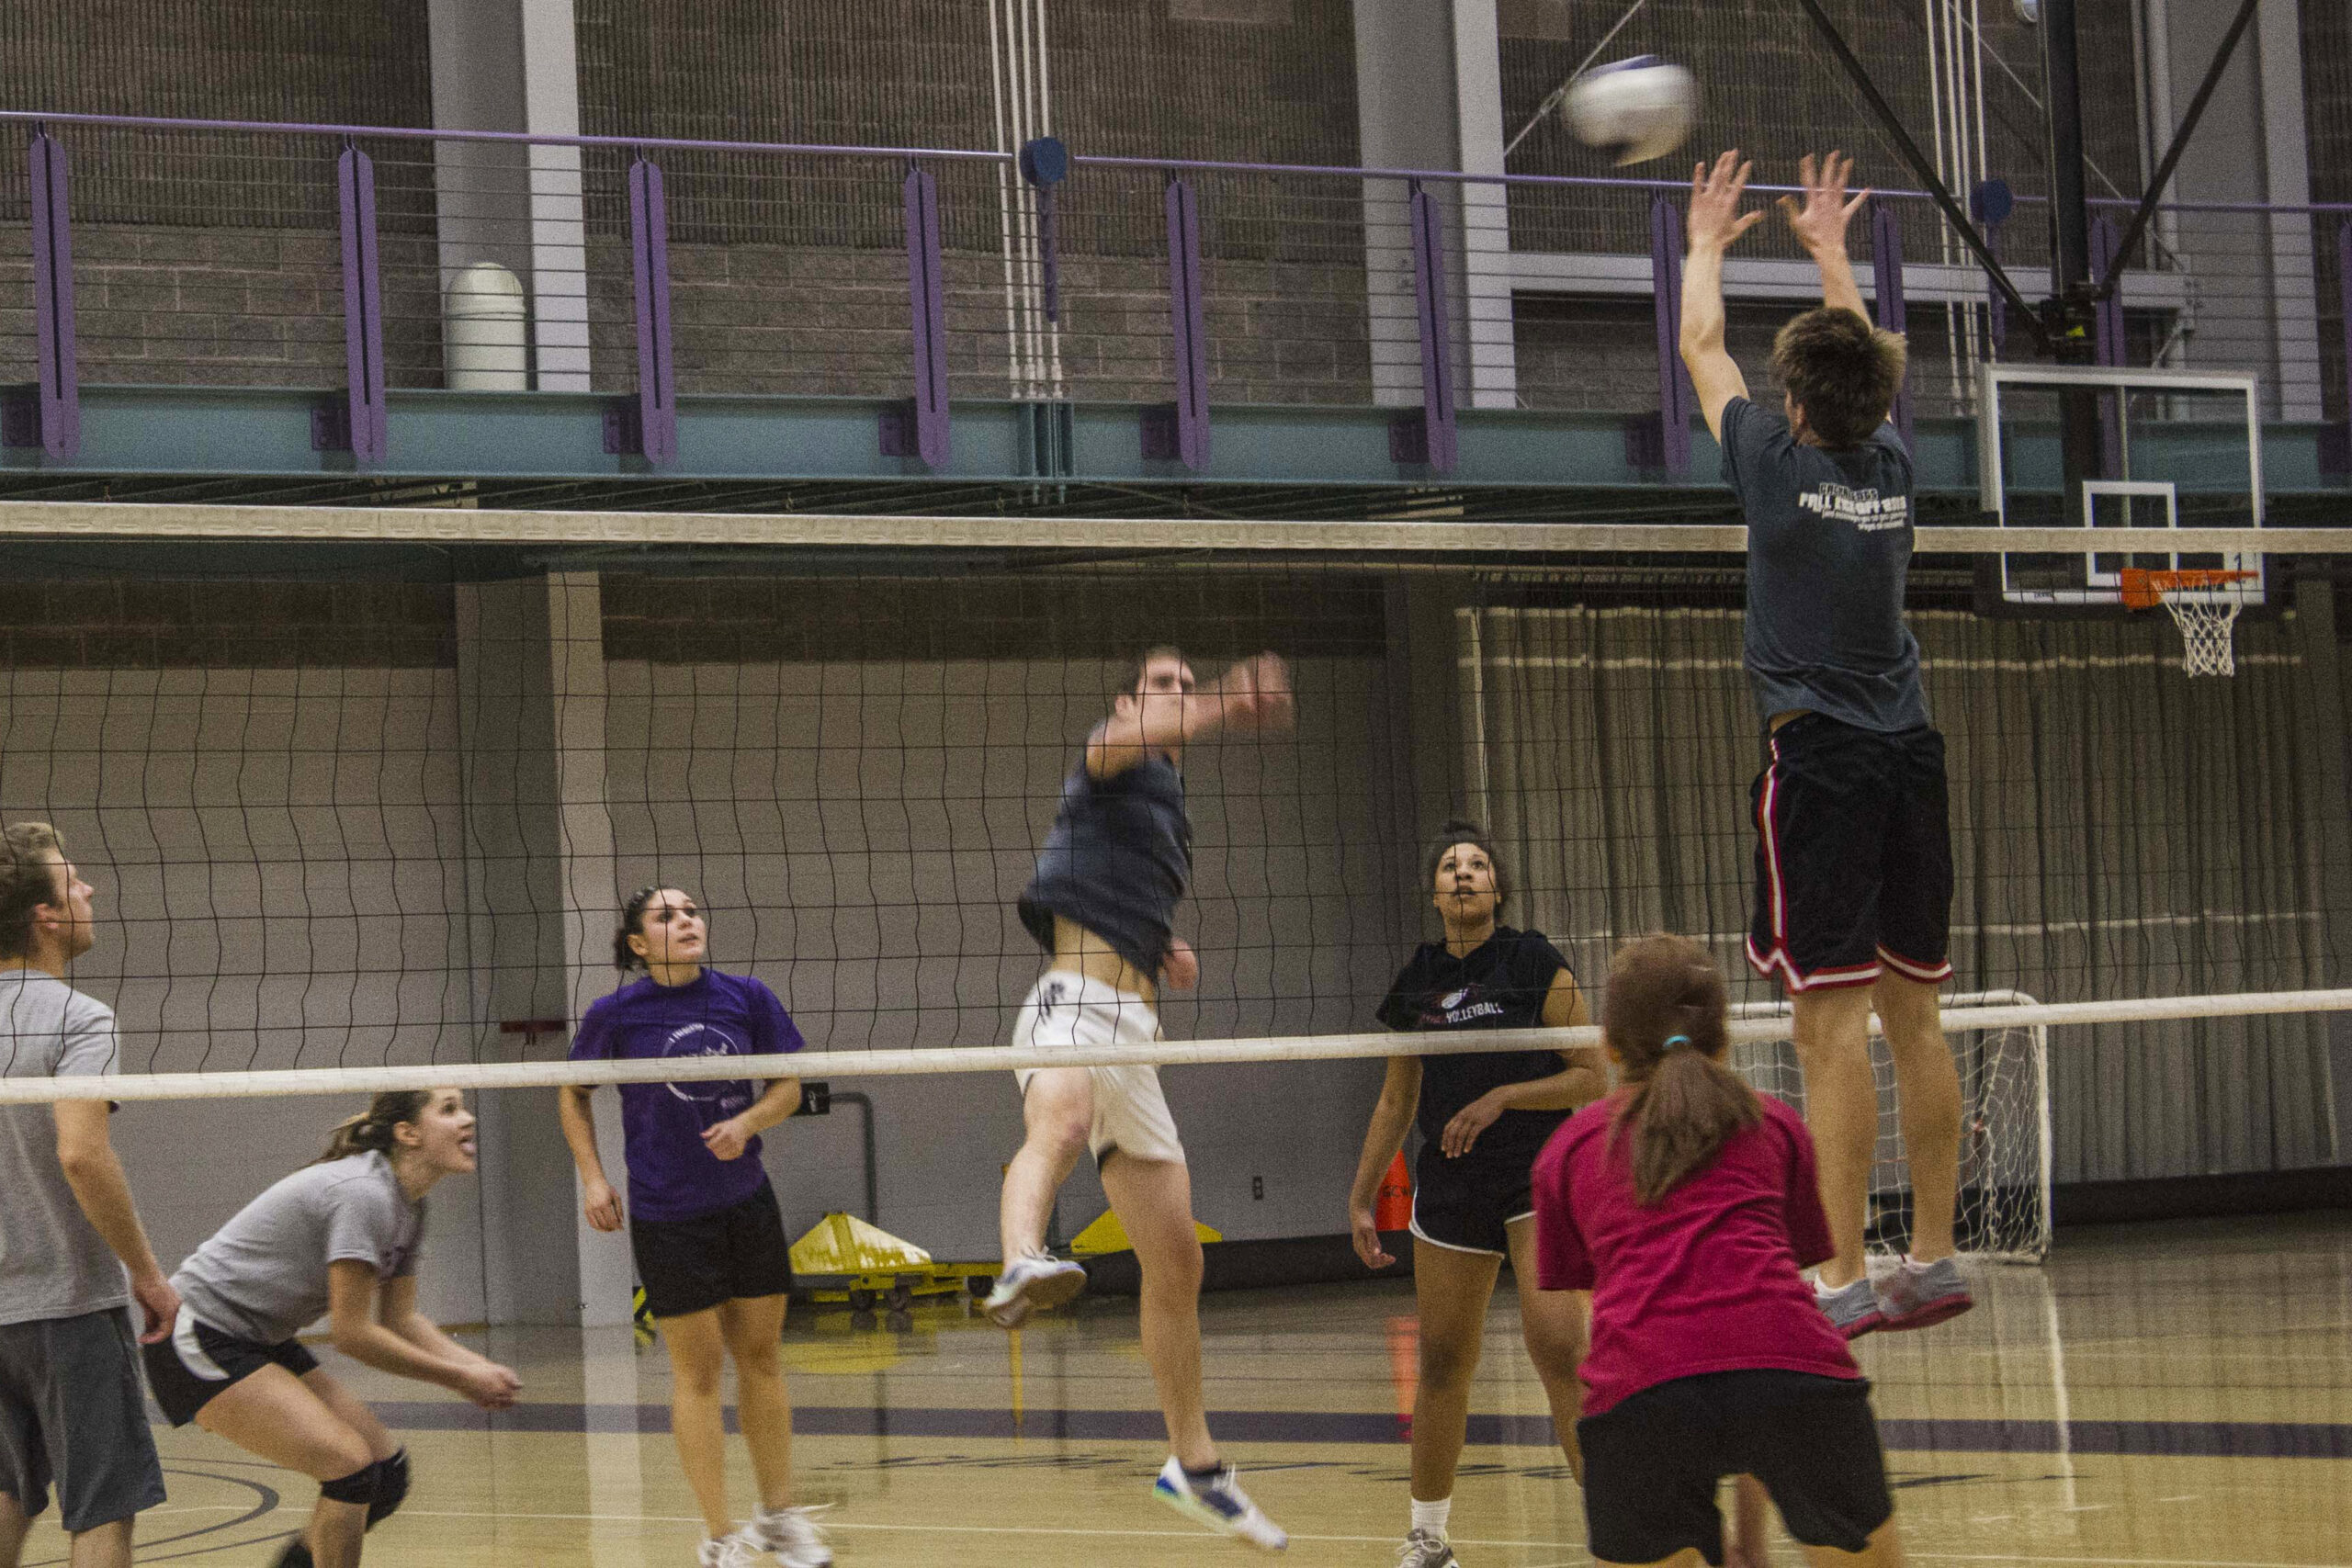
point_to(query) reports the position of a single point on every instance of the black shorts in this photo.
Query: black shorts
(1464, 1205)
(1853, 856)
(72, 1417)
(693, 1265)
(1652, 1462)
(199, 1362)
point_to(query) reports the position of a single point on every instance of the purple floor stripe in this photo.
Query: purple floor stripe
(2204, 1439)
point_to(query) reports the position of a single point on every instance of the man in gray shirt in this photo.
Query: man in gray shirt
(1853, 859)
(71, 1411)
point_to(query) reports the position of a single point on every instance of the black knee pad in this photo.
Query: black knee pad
(391, 1488)
(359, 1486)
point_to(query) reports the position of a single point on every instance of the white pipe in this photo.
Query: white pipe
(1005, 1058)
(1003, 203)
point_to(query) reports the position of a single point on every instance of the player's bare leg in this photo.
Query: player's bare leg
(1833, 1044)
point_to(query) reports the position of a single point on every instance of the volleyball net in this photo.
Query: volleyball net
(361, 791)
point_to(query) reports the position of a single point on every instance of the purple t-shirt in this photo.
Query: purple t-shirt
(672, 1175)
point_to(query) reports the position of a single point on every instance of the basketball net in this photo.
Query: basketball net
(2207, 626)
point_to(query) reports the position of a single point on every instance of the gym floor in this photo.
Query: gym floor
(2174, 1396)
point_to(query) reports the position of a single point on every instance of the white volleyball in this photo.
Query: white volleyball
(1634, 110)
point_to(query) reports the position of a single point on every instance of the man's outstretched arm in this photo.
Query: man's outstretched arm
(1254, 694)
(1819, 222)
(1715, 222)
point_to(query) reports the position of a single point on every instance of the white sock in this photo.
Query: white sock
(1431, 1516)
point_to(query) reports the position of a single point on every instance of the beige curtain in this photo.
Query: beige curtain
(2118, 830)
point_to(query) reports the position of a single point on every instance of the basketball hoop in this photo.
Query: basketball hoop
(2205, 623)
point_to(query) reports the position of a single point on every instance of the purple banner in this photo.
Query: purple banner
(1677, 400)
(649, 251)
(363, 309)
(1436, 356)
(1886, 279)
(926, 298)
(1187, 334)
(60, 382)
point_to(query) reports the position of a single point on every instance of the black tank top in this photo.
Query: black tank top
(1119, 858)
(1502, 984)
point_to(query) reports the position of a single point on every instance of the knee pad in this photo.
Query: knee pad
(391, 1488)
(359, 1486)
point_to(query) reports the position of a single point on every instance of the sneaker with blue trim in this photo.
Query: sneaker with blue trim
(1920, 1295)
(1219, 1503)
(1853, 1309)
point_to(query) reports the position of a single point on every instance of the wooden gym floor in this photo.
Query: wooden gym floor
(2173, 1396)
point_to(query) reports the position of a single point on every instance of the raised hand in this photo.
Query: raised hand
(1715, 219)
(1819, 220)
(1255, 694)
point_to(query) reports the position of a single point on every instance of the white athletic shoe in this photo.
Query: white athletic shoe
(792, 1534)
(1422, 1550)
(1219, 1503)
(1031, 1284)
(730, 1550)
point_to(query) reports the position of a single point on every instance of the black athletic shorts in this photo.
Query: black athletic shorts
(72, 1417)
(1853, 856)
(693, 1265)
(1653, 1461)
(199, 1362)
(1464, 1205)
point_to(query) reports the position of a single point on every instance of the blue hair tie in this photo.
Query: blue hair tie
(1674, 1040)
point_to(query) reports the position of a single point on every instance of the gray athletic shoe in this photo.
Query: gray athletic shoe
(1918, 1295)
(1853, 1310)
(1422, 1550)
(1031, 1284)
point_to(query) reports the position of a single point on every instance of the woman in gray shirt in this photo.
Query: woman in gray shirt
(337, 1239)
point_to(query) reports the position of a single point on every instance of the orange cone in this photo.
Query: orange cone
(1393, 1209)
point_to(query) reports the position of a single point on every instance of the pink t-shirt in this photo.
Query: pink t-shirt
(1706, 1280)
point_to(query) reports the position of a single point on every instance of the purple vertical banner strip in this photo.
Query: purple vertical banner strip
(1886, 280)
(2343, 302)
(1437, 356)
(60, 380)
(1186, 320)
(927, 301)
(1677, 400)
(362, 320)
(649, 249)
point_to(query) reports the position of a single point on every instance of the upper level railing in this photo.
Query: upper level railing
(375, 259)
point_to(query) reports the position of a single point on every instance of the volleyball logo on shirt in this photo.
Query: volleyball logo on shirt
(1452, 1010)
(705, 1040)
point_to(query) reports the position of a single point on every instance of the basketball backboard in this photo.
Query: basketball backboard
(2176, 450)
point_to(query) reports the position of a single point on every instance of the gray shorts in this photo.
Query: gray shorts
(73, 1413)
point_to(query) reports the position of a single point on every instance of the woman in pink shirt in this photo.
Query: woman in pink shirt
(1687, 1204)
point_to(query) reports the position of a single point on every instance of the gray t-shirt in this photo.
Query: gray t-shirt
(53, 1263)
(1828, 547)
(262, 1276)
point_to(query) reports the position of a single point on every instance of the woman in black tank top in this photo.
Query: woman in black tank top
(1484, 1117)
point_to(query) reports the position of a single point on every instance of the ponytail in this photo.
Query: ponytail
(371, 1132)
(1666, 1015)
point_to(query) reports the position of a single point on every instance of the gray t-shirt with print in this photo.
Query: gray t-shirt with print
(1828, 549)
(262, 1276)
(53, 1263)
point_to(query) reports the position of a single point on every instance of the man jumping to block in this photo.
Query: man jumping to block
(1102, 904)
(1853, 863)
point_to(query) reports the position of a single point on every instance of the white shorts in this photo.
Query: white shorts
(1074, 1011)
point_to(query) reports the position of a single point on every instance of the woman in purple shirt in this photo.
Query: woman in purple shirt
(707, 1237)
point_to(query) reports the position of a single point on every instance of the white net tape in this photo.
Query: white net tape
(2205, 634)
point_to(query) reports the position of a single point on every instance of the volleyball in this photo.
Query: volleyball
(1635, 109)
